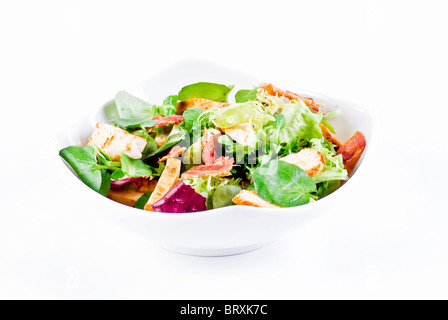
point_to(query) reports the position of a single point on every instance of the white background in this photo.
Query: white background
(60, 59)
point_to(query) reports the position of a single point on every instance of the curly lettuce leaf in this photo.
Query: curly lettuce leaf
(218, 191)
(274, 103)
(204, 185)
(300, 123)
(330, 115)
(253, 112)
(334, 167)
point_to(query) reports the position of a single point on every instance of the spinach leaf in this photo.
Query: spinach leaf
(222, 196)
(191, 117)
(118, 175)
(169, 106)
(141, 203)
(134, 168)
(283, 184)
(171, 100)
(327, 187)
(105, 183)
(132, 108)
(205, 90)
(83, 160)
(246, 95)
(177, 135)
(104, 160)
(166, 110)
(127, 124)
(151, 144)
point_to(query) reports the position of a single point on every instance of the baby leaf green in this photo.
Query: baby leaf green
(134, 168)
(283, 184)
(130, 107)
(83, 160)
(206, 90)
(246, 95)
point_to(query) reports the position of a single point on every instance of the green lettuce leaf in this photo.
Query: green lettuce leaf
(330, 115)
(334, 167)
(218, 191)
(203, 185)
(249, 112)
(275, 104)
(300, 124)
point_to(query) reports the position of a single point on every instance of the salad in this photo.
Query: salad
(196, 151)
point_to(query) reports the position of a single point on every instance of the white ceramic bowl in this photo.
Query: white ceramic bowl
(229, 230)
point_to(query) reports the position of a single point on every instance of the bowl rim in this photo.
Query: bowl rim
(371, 117)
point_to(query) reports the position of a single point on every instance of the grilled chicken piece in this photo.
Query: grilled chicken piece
(243, 133)
(250, 198)
(309, 160)
(146, 185)
(161, 140)
(127, 195)
(114, 141)
(167, 181)
(329, 136)
(199, 103)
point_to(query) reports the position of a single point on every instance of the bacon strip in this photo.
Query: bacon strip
(164, 121)
(209, 143)
(175, 152)
(221, 167)
(352, 150)
(271, 90)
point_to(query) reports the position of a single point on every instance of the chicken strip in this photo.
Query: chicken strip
(309, 160)
(114, 142)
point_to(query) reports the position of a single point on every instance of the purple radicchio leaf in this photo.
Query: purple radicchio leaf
(181, 199)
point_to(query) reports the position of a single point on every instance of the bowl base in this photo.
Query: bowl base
(215, 252)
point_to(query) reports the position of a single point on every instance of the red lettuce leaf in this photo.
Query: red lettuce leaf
(122, 182)
(181, 199)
